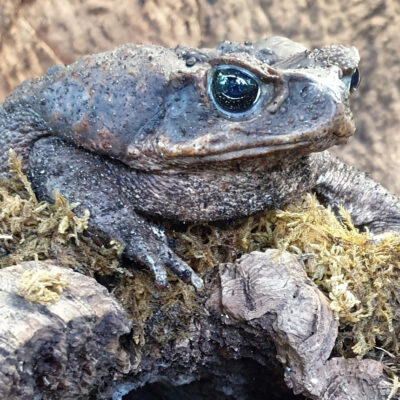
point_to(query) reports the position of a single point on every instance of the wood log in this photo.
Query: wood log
(262, 323)
(62, 350)
(271, 292)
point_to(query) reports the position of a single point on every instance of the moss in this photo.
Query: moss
(40, 286)
(158, 315)
(358, 273)
(39, 230)
(32, 230)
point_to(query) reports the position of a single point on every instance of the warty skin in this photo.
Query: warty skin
(139, 131)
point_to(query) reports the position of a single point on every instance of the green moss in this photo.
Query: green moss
(358, 274)
(32, 230)
(39, 230)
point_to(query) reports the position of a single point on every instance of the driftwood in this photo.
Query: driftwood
(263, 323)
(62, 350)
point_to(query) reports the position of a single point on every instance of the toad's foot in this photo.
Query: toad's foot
(92, 181)
(148, 245)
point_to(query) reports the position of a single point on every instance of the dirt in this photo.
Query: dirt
(35, 34)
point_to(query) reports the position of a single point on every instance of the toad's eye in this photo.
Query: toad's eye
(355, 79)
(234, 90)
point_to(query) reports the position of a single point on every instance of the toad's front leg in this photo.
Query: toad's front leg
(93, 182)
(369, 203)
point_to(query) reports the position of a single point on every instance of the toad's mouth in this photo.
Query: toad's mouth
(210, 149)
(244, 153)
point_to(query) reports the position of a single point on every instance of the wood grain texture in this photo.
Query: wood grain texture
(62, 350)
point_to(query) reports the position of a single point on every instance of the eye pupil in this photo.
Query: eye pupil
(355, 79)
(234, 90)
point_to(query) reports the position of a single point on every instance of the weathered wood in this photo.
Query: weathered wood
(271, 292)
(63, 350)
(264, 299)
(259, 310)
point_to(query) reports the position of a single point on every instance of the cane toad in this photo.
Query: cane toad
(191, 135)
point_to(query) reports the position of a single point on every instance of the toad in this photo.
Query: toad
(143, 133)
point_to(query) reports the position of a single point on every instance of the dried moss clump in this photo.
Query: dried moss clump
(360, 274)
(40, 230)
(40, 286)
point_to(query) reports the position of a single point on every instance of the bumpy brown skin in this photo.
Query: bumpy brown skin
(134, 130)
